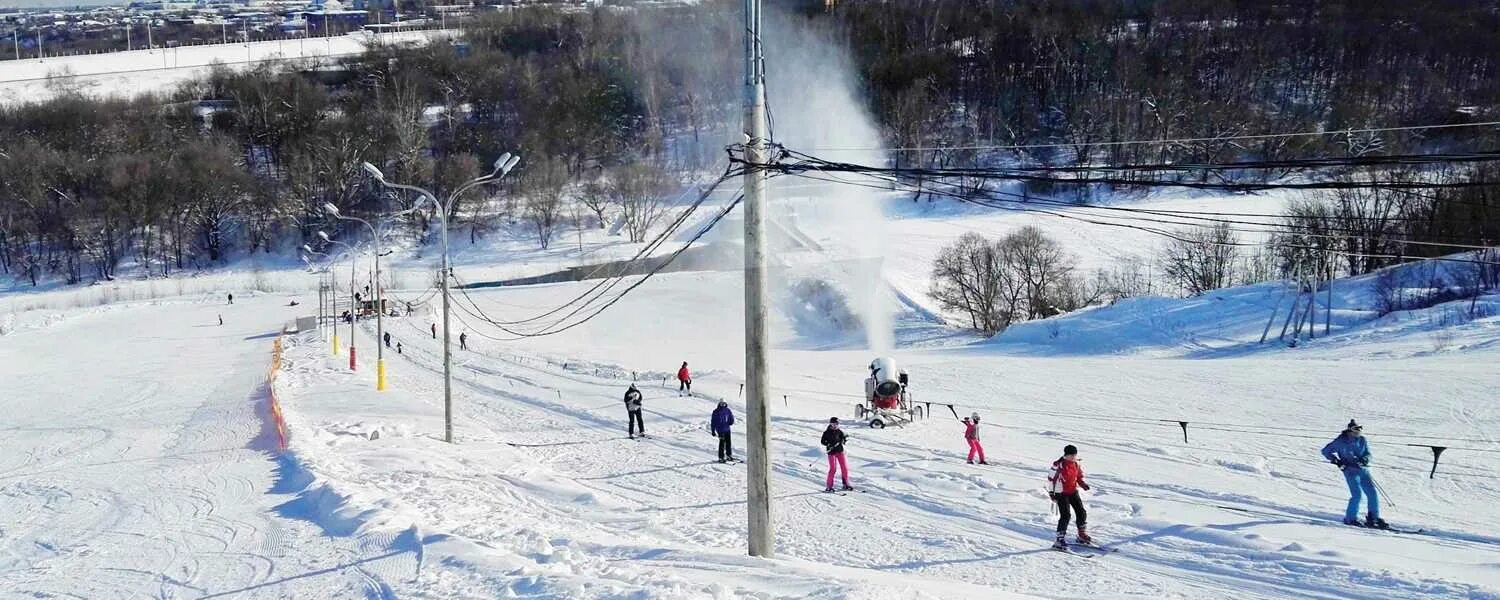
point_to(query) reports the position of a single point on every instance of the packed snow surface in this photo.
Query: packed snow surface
(138, 460)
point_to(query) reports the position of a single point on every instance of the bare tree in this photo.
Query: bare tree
(1042, 264)
(545, 184)
(971, 276)
(1201, 259)
(639, 189)
(596, 197)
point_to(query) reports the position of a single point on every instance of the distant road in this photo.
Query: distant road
(136, 71)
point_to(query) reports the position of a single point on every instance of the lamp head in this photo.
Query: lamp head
(307, 248)
(329, 208)
(510, 163)
(324, 235)
(374, 171)
(500, 162)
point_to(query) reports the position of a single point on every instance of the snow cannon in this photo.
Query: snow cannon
(886, 400)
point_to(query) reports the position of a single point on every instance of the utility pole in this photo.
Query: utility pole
(757, 370)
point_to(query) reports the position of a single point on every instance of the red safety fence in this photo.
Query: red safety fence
(271, 385)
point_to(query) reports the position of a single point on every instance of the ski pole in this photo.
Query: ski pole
(1383, 494)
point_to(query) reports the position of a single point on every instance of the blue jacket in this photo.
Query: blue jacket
(722, 420)
(1352, 453)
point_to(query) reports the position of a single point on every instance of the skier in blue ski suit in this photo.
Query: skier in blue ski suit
(1351, 453)
(721, 422)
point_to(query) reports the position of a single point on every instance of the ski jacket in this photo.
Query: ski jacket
(1066, 477)
(1349, 452)
(833, 440)
(971, 431)
(683, 375)
(722, 420)
(632, 400)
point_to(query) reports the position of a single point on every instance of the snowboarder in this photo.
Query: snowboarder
(721, 422)
(633, 411)
(463, 341)
(1063, 483)
(231, 298)
(833, 444)
(684, 380)
(1351, 453)
(398, 347)
(434, 331)
(388, 339)
(971, 435)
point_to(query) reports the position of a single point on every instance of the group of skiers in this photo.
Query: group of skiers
(1349, 451)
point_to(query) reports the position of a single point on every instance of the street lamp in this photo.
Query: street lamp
(333, 211)
(324, 288)
(352, 313)
(503, 165)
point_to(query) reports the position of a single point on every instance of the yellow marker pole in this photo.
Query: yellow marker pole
(335, 343)
(380, 375)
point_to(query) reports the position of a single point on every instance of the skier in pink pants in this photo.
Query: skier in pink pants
(833, 443)
(971, 435)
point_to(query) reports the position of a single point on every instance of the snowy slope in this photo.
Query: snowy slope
(136, 463)
(159, 69)
(544, 478)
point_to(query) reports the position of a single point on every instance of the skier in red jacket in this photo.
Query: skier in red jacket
(1063, 484)
(684, 380)
(971, 435)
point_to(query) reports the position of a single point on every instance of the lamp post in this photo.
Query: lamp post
(352, 313)
(333, 211)
(324, 289)
(503, 165)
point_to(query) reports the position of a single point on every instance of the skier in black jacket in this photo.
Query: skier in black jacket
(833, 444)
(633, 410)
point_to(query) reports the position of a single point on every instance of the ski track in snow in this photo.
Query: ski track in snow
(546, 477)
(137, 463)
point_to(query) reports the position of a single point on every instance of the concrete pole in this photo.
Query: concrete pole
(353, 305)
(447, 347)
(757, 369)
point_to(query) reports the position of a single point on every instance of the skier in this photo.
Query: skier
(463, 341)
(221, 320)
(1351, 453)
(388, 339)
(833, 444)
(434, 331)
(398, 347)
(971, 435)
(348, 317)
(1063, 485)
(684, 380)
(231, 298)
(721, 422)
(633, 411)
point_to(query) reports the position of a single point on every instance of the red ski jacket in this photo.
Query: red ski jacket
(1066, 477)
(682, 375)
(971, 431)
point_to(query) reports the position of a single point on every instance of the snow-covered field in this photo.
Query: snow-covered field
(137, 462)
(159, 69)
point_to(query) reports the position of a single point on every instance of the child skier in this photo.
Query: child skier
(721, 422)
(633, 411)
(971, 435)
(1064, 482)
(684, 380)
(833, 444)
(1351, 453)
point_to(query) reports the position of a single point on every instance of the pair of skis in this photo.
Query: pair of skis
(1084, 550)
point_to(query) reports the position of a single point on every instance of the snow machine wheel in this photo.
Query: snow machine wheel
(877, 424)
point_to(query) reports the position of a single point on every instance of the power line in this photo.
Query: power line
(1261, 136)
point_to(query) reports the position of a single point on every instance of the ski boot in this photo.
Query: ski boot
(1083, 537)
(983, 462)
(1354, 522)
(971, 462)
(1061, 543)
(848, 488)
(1374, 522)
(828, 490)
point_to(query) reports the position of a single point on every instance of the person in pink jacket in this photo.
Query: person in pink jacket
(971, 435)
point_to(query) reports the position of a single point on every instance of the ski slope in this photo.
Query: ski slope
(544, 483)
(137, 463)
